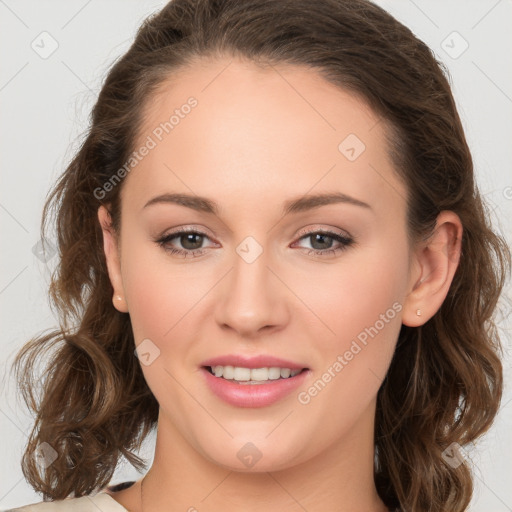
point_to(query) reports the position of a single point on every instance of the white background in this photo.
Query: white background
(45, 105)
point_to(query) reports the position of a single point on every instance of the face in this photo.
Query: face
(319, 285)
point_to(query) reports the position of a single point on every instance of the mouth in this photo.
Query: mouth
(253, 376)
(255, 387)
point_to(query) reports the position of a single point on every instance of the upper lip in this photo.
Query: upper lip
(261, 361)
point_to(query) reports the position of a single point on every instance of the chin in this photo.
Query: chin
(245, 456)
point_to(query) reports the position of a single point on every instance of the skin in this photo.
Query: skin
(258, 137)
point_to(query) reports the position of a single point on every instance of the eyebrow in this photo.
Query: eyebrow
(300, 204)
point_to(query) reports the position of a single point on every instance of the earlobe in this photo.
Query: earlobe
(112, 257)
(435, 263)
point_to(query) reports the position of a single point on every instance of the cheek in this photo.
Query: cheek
(353, 295)
(156, 298)
(165, 295)
(359, 303)
(161, 297)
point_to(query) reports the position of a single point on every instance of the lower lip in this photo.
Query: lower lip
(253, 395)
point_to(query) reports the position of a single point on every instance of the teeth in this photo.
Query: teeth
(253, 374)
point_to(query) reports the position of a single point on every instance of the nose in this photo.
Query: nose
(251, 298)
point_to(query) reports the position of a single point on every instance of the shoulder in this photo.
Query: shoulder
(101, 501)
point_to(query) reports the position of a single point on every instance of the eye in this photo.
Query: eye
(325, 242)
(190, 240)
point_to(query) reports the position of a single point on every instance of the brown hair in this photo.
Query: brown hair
(444, 384)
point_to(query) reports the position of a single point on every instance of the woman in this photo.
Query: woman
(275, 207)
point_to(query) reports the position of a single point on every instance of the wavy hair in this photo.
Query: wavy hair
(444, 385)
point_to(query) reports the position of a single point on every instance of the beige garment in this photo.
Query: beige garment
(101, 502)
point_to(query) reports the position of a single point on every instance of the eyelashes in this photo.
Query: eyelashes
(343, 241)
(194, 237)
(165, 242)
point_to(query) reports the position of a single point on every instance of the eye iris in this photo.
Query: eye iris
(322, 239)
(189, 237)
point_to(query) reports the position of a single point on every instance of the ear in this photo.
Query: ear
(434, 264)
(112, 256)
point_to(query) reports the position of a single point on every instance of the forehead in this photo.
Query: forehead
(260, 130)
